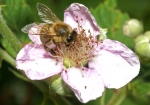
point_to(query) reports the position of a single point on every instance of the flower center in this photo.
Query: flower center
(78, 52)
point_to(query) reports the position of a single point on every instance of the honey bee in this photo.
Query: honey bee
(53, 31)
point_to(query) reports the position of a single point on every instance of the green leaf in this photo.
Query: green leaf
(8, 48)
(140, 88)
(111, 3)
(16, 14)
(5, 56)
(8, 34)
(108, 17)
(134, 100)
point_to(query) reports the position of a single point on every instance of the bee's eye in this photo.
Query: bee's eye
(72, 36)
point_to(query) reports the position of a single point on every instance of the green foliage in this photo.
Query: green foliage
(19, 75)
(109, 17)
(140, 88)
(16, 13)
(8, 35)
(8, 48)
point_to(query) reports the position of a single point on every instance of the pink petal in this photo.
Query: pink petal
(88, 21)
(37, 63)
(87, 85)
(116, 63)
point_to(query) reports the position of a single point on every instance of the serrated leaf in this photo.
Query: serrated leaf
(14, 12)
(17, 14)
(111, 3)
(108, 17)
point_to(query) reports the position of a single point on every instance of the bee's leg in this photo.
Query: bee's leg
(54, 41)
(49, 46)
(46, 48)
(46, 45)
(52, 52)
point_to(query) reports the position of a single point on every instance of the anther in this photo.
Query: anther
(76, 16)
(101, 41)
(77, 63)
(65, 71)
(82, 68)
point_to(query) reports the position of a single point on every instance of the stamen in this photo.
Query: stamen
(79, 51)
(76, 16)
(83, 69)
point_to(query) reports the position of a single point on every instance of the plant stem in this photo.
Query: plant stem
(44, 99)
(53, 99)
(65, 100)
(119, 97)
(9, 35)
(113, 98)
(7, 57)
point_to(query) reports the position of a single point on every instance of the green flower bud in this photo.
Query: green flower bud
(57, 85)
(142, 45)
(102, 34)
(132, 28)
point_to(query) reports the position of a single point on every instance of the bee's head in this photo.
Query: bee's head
(65, 32)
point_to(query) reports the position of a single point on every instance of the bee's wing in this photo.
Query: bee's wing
(46, 14)
(27, 28)
(32, 29)
(35, 29)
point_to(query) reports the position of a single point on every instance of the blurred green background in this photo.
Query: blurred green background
(18, 13)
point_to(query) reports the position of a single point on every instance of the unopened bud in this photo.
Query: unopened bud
(57, 85)
(132, 28)
(102, 34)
(142, 45)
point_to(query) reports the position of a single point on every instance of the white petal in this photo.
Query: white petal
(87, 85)
(37, 63)
(88, 21)
(117, 64)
